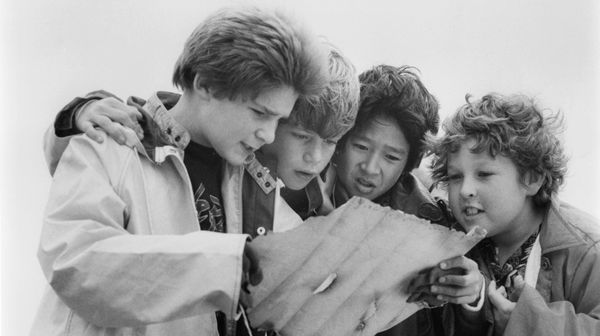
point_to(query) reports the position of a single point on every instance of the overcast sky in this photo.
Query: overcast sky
(55, 50)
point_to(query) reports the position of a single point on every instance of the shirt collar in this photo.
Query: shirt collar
(163, 135)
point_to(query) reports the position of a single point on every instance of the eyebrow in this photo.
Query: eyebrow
(396, 150)
(266, 109)
(386, 147)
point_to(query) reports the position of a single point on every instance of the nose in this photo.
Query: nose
(468, 188)
(313, 152)
(266, 134)
(370, 165)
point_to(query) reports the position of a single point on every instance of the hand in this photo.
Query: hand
(502, 306)
(109, 115)
(251, 274)
(455, 280)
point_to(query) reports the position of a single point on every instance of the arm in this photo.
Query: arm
(113, 278)
(98, 109)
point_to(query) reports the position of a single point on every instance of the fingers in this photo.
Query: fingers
(498, 298)
(461, 262)
(255, 275)
(93, 133)
(457, 295)
(113, 117)
(122, 135)
(518, 285)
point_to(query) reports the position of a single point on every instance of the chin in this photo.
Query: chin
(295, 186)
(235, 160)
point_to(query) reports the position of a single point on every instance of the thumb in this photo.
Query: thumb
(498, 298)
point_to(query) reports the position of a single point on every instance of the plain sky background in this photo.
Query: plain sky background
(52, 51)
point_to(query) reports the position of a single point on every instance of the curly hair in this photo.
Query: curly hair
(242, 52)
(512, 126)
(398, 93)
(333, 112)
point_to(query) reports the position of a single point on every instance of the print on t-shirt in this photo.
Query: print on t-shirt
(210, 213)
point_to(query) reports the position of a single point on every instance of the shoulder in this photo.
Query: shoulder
(108, 154)
(582, 223)
(567, 227)
(411, 196)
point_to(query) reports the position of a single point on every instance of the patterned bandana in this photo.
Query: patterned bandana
(515, 265)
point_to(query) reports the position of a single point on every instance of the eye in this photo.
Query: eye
(392, 157)
(260, 113)
(331, 142)
(359, 146)
(300, 136)
(454, 177)
(484, 174)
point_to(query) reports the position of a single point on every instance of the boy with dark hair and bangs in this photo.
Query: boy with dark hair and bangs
(393, 99)
(375, 160)
(503, 164)
(126, 246)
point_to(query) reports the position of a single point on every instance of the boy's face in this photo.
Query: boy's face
(301, 154)
(236, 128)
(372, 159)
(487, 191)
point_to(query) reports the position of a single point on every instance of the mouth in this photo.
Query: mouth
(470, 211)
(248, 149)
(305, 175)
(364, 186)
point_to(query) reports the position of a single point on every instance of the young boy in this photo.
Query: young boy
(121, 245)
(374, 160)
(503, 164)
(303, 146)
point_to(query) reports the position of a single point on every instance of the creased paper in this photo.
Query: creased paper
(347, 273)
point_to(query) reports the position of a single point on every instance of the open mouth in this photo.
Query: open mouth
(364, 186)
(305, 175)
(248, 149)
(471, 211)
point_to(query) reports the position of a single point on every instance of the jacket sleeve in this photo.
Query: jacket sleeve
(577, 315)
(57, 136)
(113, 278)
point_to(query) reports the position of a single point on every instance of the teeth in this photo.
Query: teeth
(364, 183)
(471, 211)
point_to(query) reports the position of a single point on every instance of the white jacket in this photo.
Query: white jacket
(121, 246)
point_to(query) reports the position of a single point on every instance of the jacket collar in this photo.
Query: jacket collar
(557, 231)
(163, 135)
(264, 175)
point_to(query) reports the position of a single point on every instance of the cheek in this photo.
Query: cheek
(452, 197)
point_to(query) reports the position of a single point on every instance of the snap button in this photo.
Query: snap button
(546, 264)
(259, 174)
(268, 184)
(261, 231)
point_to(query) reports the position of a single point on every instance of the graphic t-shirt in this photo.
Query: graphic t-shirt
(204, 166)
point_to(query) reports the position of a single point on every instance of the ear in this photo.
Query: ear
(533, 183)
(200, 90)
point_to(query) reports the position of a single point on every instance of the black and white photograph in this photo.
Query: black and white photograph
(318, 167)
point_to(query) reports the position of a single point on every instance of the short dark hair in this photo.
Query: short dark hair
(513, 126)
(242, 52)
(398, 93)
